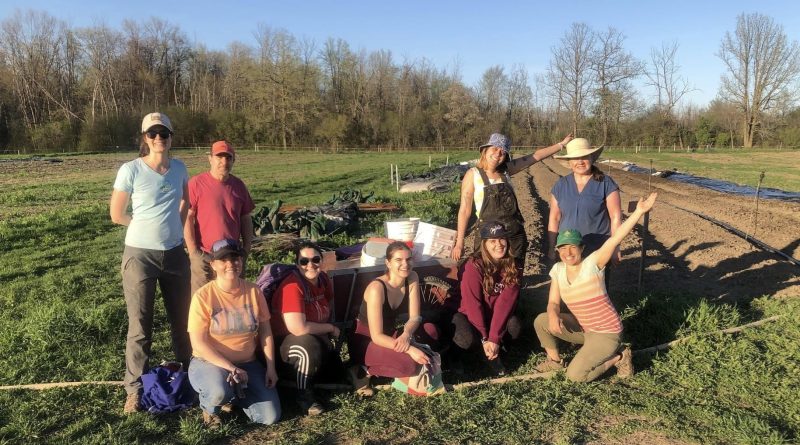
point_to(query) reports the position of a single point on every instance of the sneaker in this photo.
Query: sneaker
(360, 384)
(625, 364)
(550, 365)
(132, 403)
(308, 403)
(226, 408)
(497, 368)
(211, 421)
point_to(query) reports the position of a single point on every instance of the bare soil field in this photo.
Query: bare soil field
(685, 253)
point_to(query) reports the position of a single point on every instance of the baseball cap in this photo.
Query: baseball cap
(154, 119)
(225, 247)
(222, 147)
(493, 230)
(569, 236)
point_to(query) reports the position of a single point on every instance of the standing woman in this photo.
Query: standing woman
(229, 326)
(303, 331)
(489, 293)
(585, 200)
(156, 187)
(488, 187)
(381, 346)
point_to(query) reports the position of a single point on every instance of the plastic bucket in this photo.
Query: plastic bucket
(402, 229)
(373, 253)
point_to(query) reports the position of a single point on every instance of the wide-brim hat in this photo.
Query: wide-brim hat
(579, 147)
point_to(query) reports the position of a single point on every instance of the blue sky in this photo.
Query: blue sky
(475, 35)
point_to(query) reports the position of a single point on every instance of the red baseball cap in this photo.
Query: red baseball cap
(222, 147)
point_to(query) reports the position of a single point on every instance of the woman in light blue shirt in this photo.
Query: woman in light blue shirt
(156, 187)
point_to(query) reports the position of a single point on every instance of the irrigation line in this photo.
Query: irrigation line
(758, 243)
(456, 387)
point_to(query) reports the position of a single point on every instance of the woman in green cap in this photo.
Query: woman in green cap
(593, 321)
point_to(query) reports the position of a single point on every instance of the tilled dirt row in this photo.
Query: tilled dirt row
(685, 253)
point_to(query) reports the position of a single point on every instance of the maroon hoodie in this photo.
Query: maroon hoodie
(488, 313)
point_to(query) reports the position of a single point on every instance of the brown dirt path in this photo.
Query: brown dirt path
(689, 254)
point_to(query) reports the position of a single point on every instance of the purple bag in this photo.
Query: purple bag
(166, 390)
(273, 274)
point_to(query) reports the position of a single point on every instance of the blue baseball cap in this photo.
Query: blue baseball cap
(493, 230)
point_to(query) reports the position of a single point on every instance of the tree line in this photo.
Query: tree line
(86, 89)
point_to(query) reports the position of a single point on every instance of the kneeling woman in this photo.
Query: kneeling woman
(381, 346)
(302, 308)
(594, 322)
(228, 321)
(489, 293)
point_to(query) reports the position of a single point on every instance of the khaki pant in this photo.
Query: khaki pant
(142, 270)
(201, 270)
(597, 348)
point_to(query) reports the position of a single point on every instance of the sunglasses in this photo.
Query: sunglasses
(165, 134)
(303, 261)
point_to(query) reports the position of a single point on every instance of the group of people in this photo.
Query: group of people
(236, 344)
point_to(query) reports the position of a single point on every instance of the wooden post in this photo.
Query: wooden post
(429, 161)
(397, 176)
(755, 215)
(645, 231)
(447, 162)
(391, 174)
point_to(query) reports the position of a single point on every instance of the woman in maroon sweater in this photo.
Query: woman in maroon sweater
(489, 293)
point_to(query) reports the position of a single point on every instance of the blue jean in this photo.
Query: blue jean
(260, 403)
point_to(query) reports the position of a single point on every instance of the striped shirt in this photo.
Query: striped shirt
(587, 298)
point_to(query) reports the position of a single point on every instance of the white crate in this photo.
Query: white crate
(433, 241)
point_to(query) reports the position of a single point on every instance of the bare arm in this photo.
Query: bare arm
(297, 324)
(184, 207)
(246, 228)
(118, 207)
(553, 220)
(554, 307)
(188, 231)
(464, 210)
(203, 348)
(414, 318)
(266, 341)
(607, 249)
(614, 208)
(517, 165)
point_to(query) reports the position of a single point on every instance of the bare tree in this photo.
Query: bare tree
(569, 74)
(664, 76)
(613, 67)
(762, 64)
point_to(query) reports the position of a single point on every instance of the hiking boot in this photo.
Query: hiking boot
(496, 367)
(308, 402)
(625, 364)
(550, 365)
(359, 378)
(211, 421)
(226, 408)
(132, 403)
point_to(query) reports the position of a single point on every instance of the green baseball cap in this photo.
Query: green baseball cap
(569, 236)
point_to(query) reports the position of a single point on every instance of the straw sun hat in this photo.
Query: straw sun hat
(578, 148)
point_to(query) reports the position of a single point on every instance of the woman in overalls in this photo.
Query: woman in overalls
(488, 186)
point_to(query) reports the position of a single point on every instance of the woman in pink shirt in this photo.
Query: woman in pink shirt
(593, 321)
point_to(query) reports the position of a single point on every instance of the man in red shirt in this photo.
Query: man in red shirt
(220, 207)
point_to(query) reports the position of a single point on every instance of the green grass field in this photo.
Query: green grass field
(739, 166)
(62, 318)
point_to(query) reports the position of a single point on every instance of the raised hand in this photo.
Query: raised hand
(644, 205)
